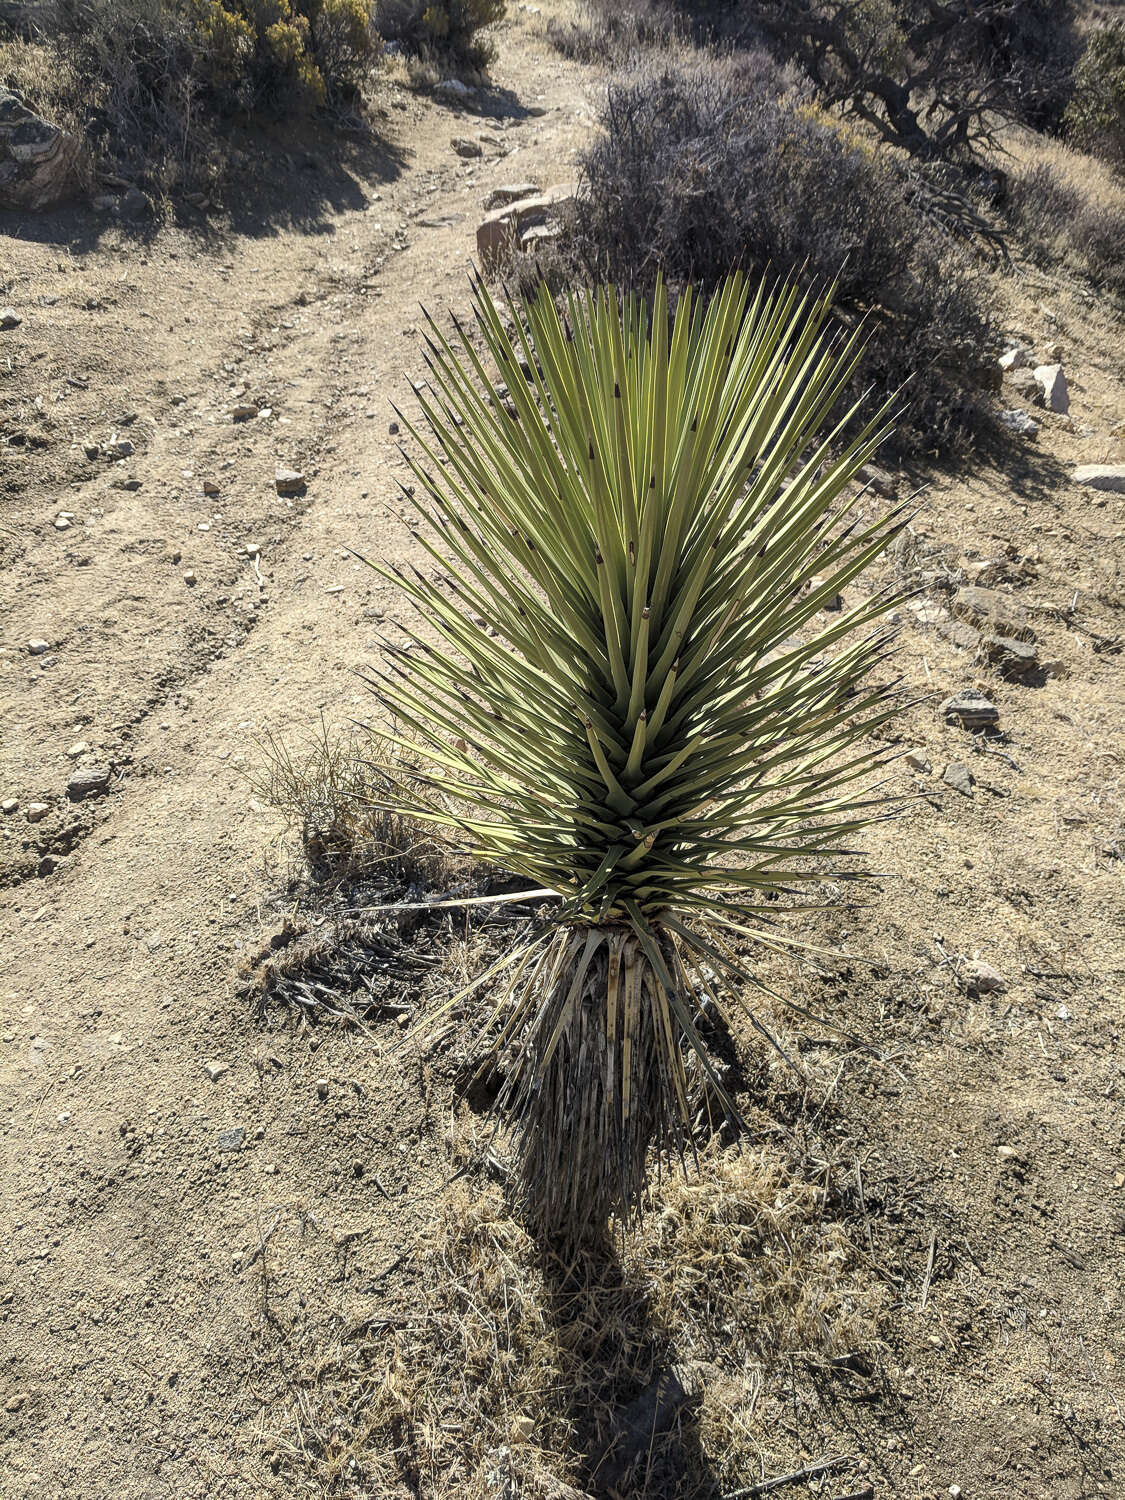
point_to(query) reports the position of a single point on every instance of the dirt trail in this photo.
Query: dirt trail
(125, 1292)
(138, 1193)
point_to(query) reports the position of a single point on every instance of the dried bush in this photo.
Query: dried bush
(443, 29)
(1095, 117)
(725, 163)
(603, 31)
(149, 80)
(1059, 219)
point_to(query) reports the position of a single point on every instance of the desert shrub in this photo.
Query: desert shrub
(1060, 219)
(447, 29)
(603, 31)
(148, 80)
(701, 168)
(1095, 117)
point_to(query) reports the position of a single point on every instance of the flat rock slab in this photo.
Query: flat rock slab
(988, 609)
(1109, 477)
(89, 781)
(971, 709)
(1011, 657)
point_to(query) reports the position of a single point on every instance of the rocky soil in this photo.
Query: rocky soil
(195, 437)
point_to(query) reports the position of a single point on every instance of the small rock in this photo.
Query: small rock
(466, 147)
(231, 1140)
(289, 482)
(37, 811)
(253, 550)
(9, 318)
(452, 86)
(322, 1088)
(37, 648)
(1012, 658)
(982, 979)
(215, 1070)
(917, 762)
(210, 487)
(90, 781)
(1052, 383)
(92, 450)
(511, 192)
(1014, 359)
(958, 776)
(190, 579)
(1018, 422)
(245, 411)
(971, 709)
(9, 806)
(63, 523)
(1109, 477)
(1007, 1153)
(393, 429)
(988, 609)
(80, 747)
(120, 448)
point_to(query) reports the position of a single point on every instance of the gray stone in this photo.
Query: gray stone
(89, 781)
(215, 1070)
(1014, 359)
(466, 147)
(289, 482)
(1011, 657)
(37, 648)
(9, 806)
(511, 192)
(959, 777)
(970, 709)
(980, 978)
(120, 448)
(1051, 381)
(917, 762)
(244, 411)
(37, 811)
(231, 1140)
(499, 231)
(988, 609)
(38, 160)
(1109, 477)
(9, 318)
(1022, 383)
(1018, 422)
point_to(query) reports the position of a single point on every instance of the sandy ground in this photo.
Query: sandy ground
(990, 1133)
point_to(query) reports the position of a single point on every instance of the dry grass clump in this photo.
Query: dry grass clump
(332, 794)
(517, 1375)
(1069, 209)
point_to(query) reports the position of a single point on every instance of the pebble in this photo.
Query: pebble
(63, 523)
(958, 776)
(121, 448)
(37, 648)
(982, 979)
(90, 781)
(466, 147)
(253, 550)
(80, 747)
(1014, 359)
(215, 1070)
(917, 762)
(92, 450)
(1019, 422)
(1011, 657)
(9, 805)
(322, 1088)
(37, 811)
(190, 578)
(210, 487)
(245, 411)
(289, 482)
(9, 318)
(231, 1140)
(970, 709)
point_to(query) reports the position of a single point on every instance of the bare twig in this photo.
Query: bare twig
(929, 1271)
(810, 1471)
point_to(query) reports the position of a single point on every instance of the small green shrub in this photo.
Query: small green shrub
(446, 29)
(1095, 117)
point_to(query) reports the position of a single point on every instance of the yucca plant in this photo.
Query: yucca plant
(622, 687)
